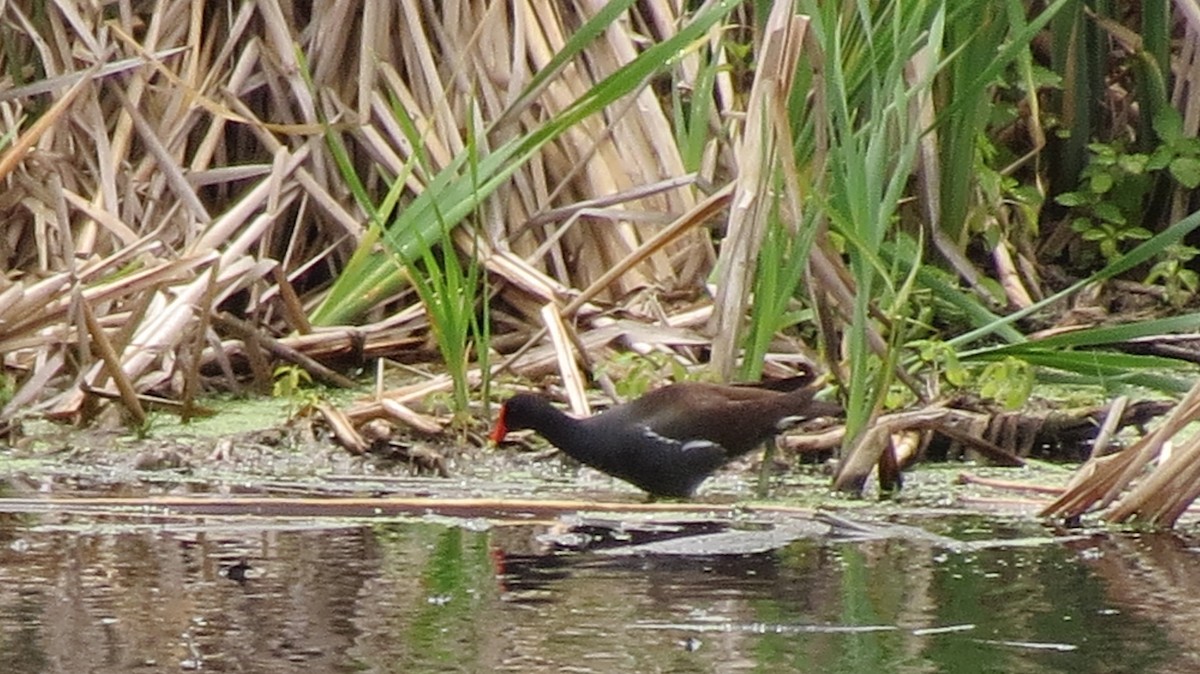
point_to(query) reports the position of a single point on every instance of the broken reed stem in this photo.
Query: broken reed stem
(1185, 500)
(1185, 412)
(1112, 475)
(567, 366)
(112, 362)
(293, 308)
(698, 214)
(1112, 421)
(25, 142)
(1009, 485)
(191, 375)
(246, 331)
(343, 430)
(1170, 483)
(758, 158)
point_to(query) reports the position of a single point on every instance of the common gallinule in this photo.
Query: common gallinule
(668, 441)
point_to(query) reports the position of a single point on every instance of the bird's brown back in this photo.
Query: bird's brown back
(737, 417)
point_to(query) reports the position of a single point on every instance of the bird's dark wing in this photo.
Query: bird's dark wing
(736, 418)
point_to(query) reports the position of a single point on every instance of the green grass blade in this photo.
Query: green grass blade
(1143, 252)
(1105, 368)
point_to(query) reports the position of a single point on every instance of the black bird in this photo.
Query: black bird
(670, 440)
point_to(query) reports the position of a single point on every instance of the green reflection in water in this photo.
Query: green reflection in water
(862, 601)
(1034, 609)
(904, 606)
(443, 625)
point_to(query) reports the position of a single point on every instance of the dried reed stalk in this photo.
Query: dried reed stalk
(1132, 484)
(757, 155)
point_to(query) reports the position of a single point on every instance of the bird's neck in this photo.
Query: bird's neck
(575, 437)
(557, 426)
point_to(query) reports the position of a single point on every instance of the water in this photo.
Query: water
(135, 594)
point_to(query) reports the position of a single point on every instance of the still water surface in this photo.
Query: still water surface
(115, 594)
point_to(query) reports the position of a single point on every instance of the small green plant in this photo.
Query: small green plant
(449, 288)
(782, 262)
(453, 292)
(1109, 200)
(943, 360)
(691, 107)
(1178, 153)
(1116, 184)
(293, 383)
(633, 374)
(1008, 209)
(1180, 282)
(1008, 382)
(450, 292)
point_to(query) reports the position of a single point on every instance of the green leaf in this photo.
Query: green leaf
(1161, 270)
(1168, 124)
(1028, 194)
(1133, 164)
(1071, 199)
(1181, 252)
(1008, 382)
(1082, 225)
(1161, 158)
(1188, 146)
(1106, 155)
(1108, 248)
(1135, 233)
(1189, 279)
(1186, 170)
(1101, 183)
(1044, 77)
(956, 374)
(1109, 334)
(1109, 212)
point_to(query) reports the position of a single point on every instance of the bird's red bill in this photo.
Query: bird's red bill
(500, 430)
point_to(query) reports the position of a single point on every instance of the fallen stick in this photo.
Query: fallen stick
(245, 331)
(970, 478)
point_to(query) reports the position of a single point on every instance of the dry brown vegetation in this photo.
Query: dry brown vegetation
(176, 167)
(173, 213)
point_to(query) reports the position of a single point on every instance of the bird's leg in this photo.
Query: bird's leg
(764, 470)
